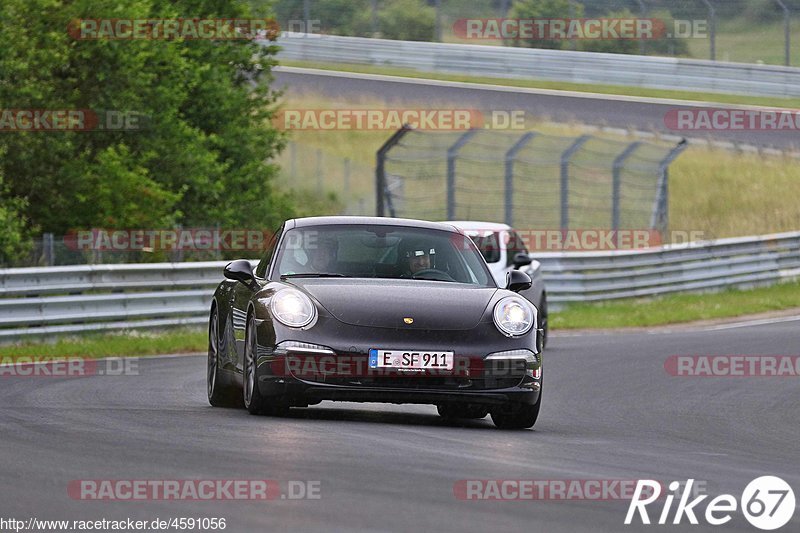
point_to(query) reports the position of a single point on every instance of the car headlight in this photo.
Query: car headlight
(293, 308)
(514, 316)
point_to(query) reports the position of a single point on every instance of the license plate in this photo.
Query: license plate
(411, 359)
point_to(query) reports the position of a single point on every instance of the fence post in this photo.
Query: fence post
(452, 153)
(642, 42)
(712, 15)
(565, 158)
(48, 249)
(787, 31)
(660, 218)
(293, 160)
(510, 155)
(346, 177)
(615, 184)
(380, 167)
(319, 171)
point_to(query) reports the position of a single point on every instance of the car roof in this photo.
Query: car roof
(376, 221)
(473, 225)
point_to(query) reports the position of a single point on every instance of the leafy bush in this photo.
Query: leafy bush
(203, 157)
(407, 20)
(547, 9)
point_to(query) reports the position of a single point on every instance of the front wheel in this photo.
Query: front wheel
(255, 403)
(517, 416)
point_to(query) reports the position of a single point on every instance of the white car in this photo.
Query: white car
(504, 250)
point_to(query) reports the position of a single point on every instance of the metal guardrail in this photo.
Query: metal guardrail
(39, 302)
(554, 65)
(737, 262)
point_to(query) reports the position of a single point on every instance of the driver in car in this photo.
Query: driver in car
(417, 257)
(322, 257)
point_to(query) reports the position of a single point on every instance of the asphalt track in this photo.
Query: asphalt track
(643, 114)
(610, 411)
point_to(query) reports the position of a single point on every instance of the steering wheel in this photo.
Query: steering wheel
(432, 274)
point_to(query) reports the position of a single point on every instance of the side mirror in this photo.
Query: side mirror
(240, 270)
(517, 281)
(521, 260)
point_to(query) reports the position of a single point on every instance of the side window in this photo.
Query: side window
(515, 245)
(269, 251)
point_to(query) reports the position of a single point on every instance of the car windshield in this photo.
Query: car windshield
(377, 251)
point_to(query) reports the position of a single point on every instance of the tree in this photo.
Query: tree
(543, 9)
(15, 240)
(204, 154)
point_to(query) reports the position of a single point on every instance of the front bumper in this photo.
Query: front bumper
(302, 373)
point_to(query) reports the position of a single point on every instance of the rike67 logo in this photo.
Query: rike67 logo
(767, 503)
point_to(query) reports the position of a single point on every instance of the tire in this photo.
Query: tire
(221, 393)
(254, 402)
(517, 416)
(468, 412)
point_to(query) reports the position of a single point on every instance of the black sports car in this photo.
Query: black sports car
(375, 310)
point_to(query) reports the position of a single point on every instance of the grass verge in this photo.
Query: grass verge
(93, 346)
(677, 308)
(622, 90)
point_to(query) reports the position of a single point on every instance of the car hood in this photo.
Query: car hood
(387, 302)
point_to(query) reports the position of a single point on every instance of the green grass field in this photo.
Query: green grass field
(677, 308)
(743, 41)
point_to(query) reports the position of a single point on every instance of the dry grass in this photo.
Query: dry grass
(718, 192)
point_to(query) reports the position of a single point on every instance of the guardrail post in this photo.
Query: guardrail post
(380, 168)
(509, 177)
(660, 218)
(565, 158)
(452, 153)
(47, 249)
(616, 183)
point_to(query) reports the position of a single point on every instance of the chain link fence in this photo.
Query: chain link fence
(525, 179)
(320, 173)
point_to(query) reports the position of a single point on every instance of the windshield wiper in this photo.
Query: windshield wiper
(313, 275)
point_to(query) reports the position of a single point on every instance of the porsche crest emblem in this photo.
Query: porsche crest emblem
(408, 320)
